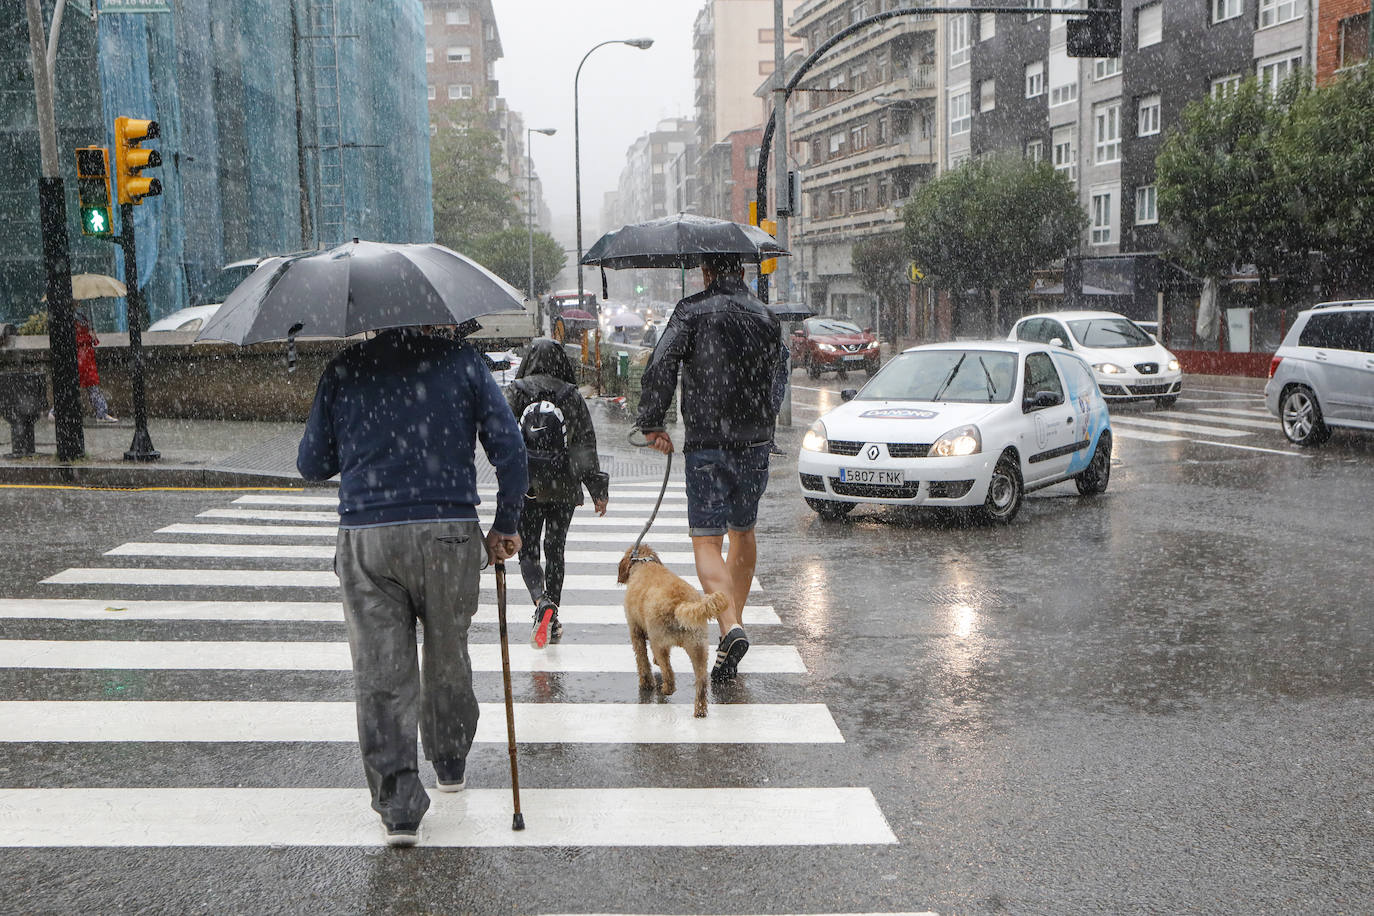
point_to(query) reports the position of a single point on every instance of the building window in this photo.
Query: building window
(751, 157)
(1274, 70)
(1063, 77)
(1226, 9)
(836, 143)
(882, 130)
(1149, 25)
(429, 55)
(431, 93)
(765, 68)
(958, 40)
(1065, 152)
(858, 137)
(1354, 40)
(1107, 133)
(1102, 218)
(884, 191)
(1035, 79)
(459, 16)
(1146, 211)
(836, 202)
(987, 26)
(459, 55)
(1147, 116)
(1036, 4)
(858, 198)
(987, 95)
(1273, 12)
(959, 117)
(957, 159)
(765, 36)
(459, 91)
(1225, 86)
(1104, 67)
(1035, 150)
(490, 32)
(433, 129)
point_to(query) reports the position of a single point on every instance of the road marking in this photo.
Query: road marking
(611, 520)
(332, 502)
(1240, 412)
(1255, 423)
(658, 536)
(1177, 427)
(275, 578)
(477, 817)
(1254, 448)
(1235, 393)
(537, 723)
(683, 559)
(1122, 432)
(320, 611)
(333, 656)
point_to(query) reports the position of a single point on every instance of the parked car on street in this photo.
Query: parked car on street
(1322, 374)
(187, 319)
(961, 424)
(1129, 364)
(823, 344)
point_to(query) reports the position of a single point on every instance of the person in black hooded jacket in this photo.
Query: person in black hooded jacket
(545, 399)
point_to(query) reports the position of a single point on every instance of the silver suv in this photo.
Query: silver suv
(1323, 373)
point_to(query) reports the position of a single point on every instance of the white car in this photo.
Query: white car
(187, 319)
(961, 424)
(1129, 364)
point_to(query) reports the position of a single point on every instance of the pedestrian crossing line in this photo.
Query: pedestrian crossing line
(1241, 412)
(659, 536)
(187, 655)
(144, 817)
(755, 615)
(683, 559)
(286, 499)
(1173, 426)
(610, 520)
(1270, 424)
(278, 578)
(537, 723)
(1121, 432)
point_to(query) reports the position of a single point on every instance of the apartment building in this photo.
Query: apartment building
(732, 42)
(462, 46)
(645, 191)
(864, 128)
(1342, 36)
(729, 175)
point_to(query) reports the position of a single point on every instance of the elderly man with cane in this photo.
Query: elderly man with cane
(398, 418)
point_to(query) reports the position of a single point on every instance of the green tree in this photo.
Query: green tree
(465, 161)
(880, 263)
(989, 223)
(1324, 155)
(506, 253)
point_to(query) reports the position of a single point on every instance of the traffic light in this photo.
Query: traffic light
(131, 159)
(93, 189)
(768, 265)
(1098, 35)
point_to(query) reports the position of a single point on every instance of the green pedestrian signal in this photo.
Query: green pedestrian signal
(93, 190)
(639, 290)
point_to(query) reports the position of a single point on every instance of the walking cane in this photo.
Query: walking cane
(518, 822)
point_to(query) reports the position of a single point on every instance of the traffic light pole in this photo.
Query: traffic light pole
(142, 447)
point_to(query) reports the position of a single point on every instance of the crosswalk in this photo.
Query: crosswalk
(1209, 423)
(247, 586)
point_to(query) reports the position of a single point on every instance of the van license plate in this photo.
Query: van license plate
(872, 476)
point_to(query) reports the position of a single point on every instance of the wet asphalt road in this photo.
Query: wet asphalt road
(1154, 701)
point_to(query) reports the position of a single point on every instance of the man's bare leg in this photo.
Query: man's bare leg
(715, 576)
(740, 566)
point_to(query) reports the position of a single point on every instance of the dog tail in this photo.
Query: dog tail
(697, 613)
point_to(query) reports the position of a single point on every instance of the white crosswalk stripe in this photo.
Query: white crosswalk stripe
(1172, 426)
(1123, 432)
(227, 547)
(1228, 419)
(1241, 412)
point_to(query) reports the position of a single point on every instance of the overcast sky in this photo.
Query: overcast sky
(624, 91)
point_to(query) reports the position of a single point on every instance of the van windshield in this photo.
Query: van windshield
(973, 376)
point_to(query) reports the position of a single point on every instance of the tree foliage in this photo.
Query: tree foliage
(506, 253)
(465, 161)
(990, 222)
(880, 264)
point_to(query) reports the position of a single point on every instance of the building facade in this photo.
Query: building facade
(646, 187)
(1342, 39)
(732, 42)
(729, 175)
(462, 46)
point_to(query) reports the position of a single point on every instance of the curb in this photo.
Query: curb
(147, 476)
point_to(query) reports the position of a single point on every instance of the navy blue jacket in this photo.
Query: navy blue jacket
(397, 418)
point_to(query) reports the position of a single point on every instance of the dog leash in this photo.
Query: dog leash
(667, 470)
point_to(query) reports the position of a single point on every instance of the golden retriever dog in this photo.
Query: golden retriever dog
(665, 610)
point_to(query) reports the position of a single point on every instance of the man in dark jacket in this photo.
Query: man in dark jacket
(397, 418)
(727, 345)
(544, 397)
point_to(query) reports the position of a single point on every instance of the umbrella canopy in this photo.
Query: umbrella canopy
(358, 286)
(576, 313)
(95, 286)
(680, 241)
(625, 320)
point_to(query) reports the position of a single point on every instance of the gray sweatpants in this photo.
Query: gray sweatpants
(393, 576)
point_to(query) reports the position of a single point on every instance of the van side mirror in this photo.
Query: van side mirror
(848, 394)
(1059, 342)
(1039, 401)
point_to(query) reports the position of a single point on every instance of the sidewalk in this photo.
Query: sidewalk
(233, 453)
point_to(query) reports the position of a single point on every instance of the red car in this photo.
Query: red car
(834, 343)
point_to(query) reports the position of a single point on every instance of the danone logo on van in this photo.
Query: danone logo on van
(900, 413)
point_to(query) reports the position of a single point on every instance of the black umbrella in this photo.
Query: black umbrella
(680, 241)
(358, 286)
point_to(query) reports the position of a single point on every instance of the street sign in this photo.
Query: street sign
(914, 273)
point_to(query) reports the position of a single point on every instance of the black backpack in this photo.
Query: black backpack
(546, 444)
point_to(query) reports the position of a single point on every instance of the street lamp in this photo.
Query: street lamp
(640, 43)
(529, 199)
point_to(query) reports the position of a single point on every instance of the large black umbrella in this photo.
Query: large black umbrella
(358, 286)
(680, 241)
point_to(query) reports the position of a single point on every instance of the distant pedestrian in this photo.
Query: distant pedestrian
(86, 373)
(725, 342)
(561, 446)
(650, 335)
(397, 418)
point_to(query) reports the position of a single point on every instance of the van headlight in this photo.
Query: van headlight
(966, 440)
(814, 440)
(1173, 365)
(1108, 368)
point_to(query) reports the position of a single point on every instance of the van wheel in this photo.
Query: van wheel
(1093, 479)
(1005, 492)
(1301, 417)
(829, 509)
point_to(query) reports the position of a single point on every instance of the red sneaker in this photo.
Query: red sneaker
(546, 626)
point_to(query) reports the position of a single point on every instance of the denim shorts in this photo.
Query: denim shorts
(724, 486)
